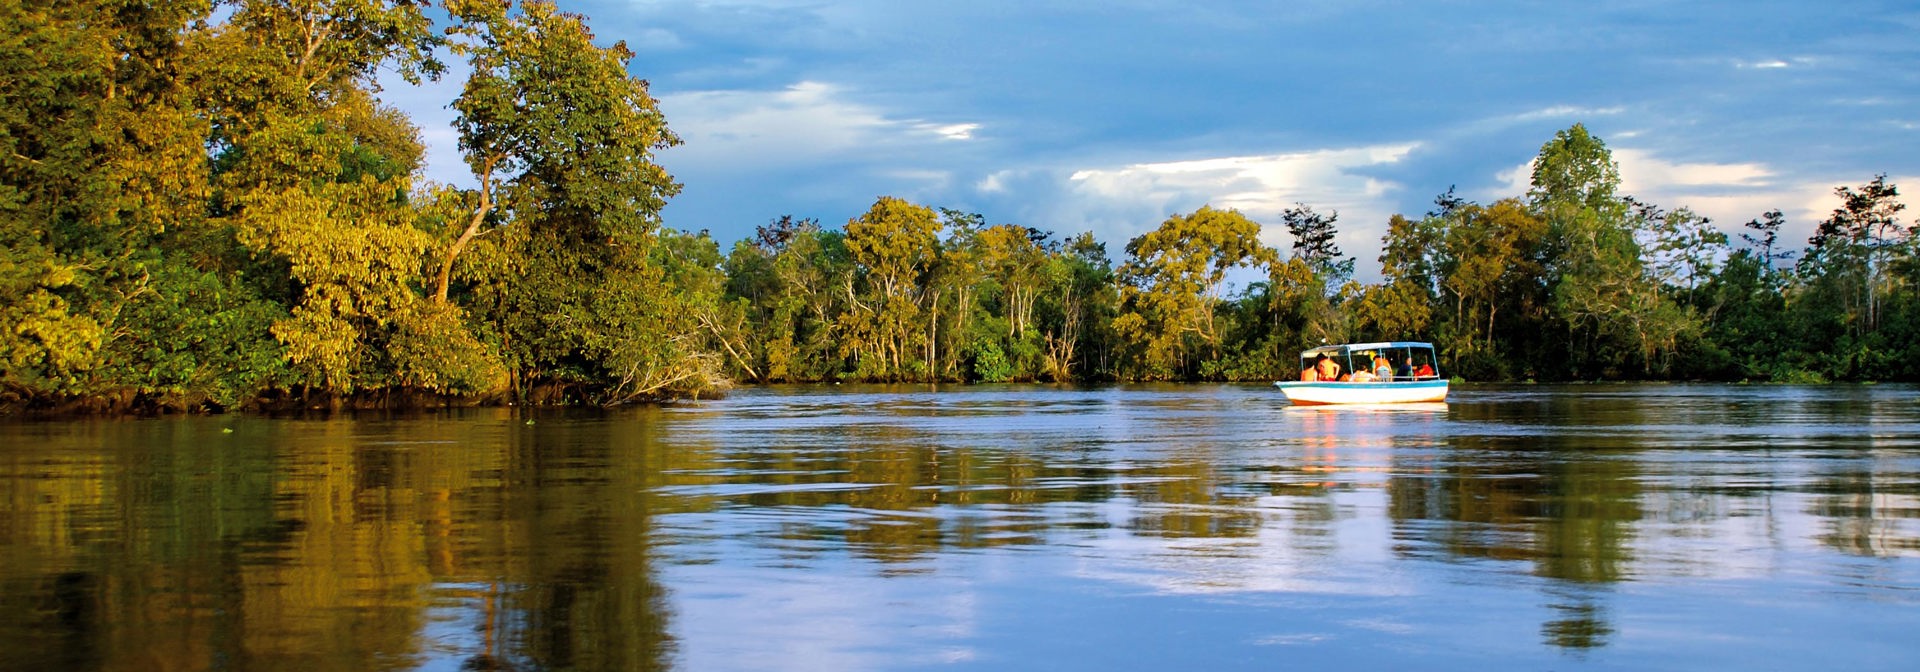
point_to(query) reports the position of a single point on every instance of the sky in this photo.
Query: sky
(1110, 116)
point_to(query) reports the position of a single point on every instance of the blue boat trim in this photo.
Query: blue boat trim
(1397, 384)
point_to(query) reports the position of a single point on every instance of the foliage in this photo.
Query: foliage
(203, 208)
(883, 332)
(1171, 288)
(214, 209)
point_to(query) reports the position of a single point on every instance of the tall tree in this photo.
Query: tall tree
(1766, 237)
(894, 242)
(1171, 286)
(102, 168)
(954, 287)
(1489, 262)
(1616, 315)
(312, 172)
(1859, 240)
(1077, 310)
(1313, 242)
(566, 136)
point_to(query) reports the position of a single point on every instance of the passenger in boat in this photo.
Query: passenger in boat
(1361, 376)
(1424, 371)
(1323, 369)
(1382, 369)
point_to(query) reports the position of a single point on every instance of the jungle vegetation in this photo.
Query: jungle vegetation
(206, 205)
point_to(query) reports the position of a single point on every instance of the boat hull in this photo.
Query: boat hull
(1325, 393)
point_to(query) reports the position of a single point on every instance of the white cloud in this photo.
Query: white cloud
(1566, 112)
(1728, 193)
(1641, 170)
(1122, 202)
(802, 124)
(992, 184)
(1775, 63)
(950, 131)
(1512, 182)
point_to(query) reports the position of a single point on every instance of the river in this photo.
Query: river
(980, 528)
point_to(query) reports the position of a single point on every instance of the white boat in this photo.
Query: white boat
(1328, 375)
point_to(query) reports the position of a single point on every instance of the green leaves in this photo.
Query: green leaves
(561, 138)
(202, 210)
(894, 242)
(1171, 282)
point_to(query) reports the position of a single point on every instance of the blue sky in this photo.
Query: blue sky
(1110, 116)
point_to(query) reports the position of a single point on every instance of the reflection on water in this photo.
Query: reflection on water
(884, 528)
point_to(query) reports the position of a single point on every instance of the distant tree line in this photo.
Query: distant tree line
(1570, 281)
(207, 206)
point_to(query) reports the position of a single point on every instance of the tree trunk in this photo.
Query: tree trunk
(473, 229)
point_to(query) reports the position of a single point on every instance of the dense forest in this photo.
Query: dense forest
(206, 205)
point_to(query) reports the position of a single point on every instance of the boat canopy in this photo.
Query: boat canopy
(1410, 360)
(1345, 348)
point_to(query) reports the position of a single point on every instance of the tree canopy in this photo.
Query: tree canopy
(208, 208)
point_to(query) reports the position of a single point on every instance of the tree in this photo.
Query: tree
(894, 243)
(1768, 229)
(1171, 285)
(1313, 242)
(1076, 308)
(1488, 265)
(1576, 171)
(1851, 270)
(954, 285)
(314, 173)
(1859, 240)
(1615, 313)
(1015, 263)
(100, 153)
(569, 278)
(547, 114)
(1683, 248)
(1749, 324)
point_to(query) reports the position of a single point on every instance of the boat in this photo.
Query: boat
(1415, 378)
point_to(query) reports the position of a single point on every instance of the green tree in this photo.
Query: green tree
(1683, 248)
(1765, 243)
(1303, 296)
(1076, 309)
(566, 276)
(1015, 263)
(1845, 279)
(1171, 288)
(1858, 243)
(111, 279)
(954, 285)
(1616, 315)
(1489, 263)
(1313, 242)
(894, 244)
(1748, 325)
(314, 176)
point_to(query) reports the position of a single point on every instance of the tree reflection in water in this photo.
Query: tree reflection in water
(847, 523)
